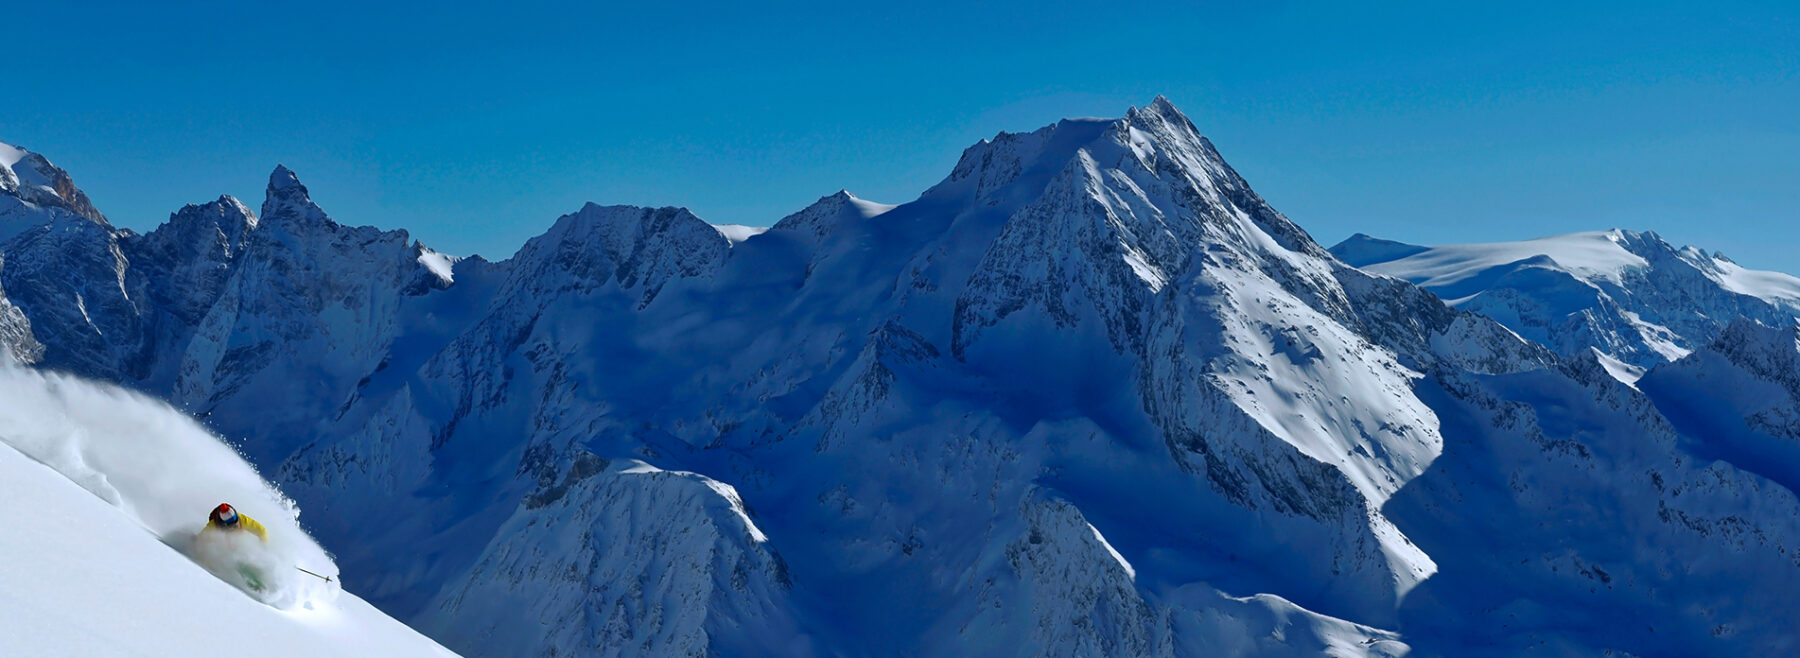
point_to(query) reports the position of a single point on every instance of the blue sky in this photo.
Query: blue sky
(475, 125)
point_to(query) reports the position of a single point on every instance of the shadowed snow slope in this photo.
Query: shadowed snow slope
(1741, 396)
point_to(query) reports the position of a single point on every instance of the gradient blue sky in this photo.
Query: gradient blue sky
(475, 125)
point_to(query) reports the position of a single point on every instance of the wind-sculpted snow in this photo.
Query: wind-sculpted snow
(1089, 395)
(167, 472)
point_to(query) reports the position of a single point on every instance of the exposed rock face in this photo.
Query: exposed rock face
(302, 286)
(1089, 395)
(179, 272)
(17, 344)
(68, 273)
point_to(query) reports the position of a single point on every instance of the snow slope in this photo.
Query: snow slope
(1740, 397)
(739, 232)
(1635, 299)
(84, 570)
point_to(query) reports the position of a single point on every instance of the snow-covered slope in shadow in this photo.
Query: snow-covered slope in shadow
(1741, 396)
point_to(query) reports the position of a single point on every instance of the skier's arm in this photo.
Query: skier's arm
(254, 527)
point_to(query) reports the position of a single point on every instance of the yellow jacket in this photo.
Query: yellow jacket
(244, 523)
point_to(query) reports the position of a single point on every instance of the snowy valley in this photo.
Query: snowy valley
(1088, 395)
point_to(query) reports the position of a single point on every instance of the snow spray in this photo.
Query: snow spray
(163, 469)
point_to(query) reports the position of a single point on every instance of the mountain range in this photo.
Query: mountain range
(1088, 395)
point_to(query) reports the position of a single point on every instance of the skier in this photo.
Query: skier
(226, 519)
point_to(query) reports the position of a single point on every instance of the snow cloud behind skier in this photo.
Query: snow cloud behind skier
(167, 471)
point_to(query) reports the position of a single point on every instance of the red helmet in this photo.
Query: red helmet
(224, 514)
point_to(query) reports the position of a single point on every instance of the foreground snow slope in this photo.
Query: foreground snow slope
(81, 578)
(102, 490)
(163, 470)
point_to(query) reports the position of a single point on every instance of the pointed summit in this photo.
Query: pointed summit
(1161, 110)
(283, 179)
(1362, 249)
(287, 200)
(1161, 105)
(817, 219)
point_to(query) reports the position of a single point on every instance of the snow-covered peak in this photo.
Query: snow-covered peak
(993, 164)
(1154, 156)
(619, 226)
(10, 155)
(638, 248)
(32, 179)
(1456, 271)
(229, 217)
(1630, 296)
(1162, 105)
(1776, 287)
(1161, 110)
(818, 219)
(283, 178)
(288, 203)
(191, 255)
(865, 208)
(1362, 249)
